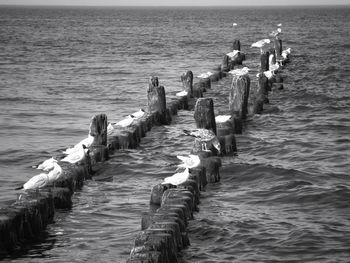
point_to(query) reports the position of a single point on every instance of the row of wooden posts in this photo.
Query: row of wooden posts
(164, 228)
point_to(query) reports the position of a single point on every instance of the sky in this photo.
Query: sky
(174, 2)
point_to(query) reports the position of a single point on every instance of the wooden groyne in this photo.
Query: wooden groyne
(164, 226)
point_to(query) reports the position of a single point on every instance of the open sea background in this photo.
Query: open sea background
(284, 198)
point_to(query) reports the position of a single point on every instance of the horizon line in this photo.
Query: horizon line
(210, 5)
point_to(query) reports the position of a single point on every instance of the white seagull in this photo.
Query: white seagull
(37, 181)
(55, 174)
(275, 33)
(110, 128)
(233, 53)
(234, 24)
(177, 178)
(182, 93)
(76, 156)
(138, 114)
(207, 136)
(87, 142)
(285, 53)
(261, 43)
(47, 165)
(268, 74)
(222, 118)
(125, 122)
(205, 75)
(239, 71)
(279, 24)
(189, 161)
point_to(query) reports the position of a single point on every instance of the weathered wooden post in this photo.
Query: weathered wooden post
(236, 45)
(239, 57)
(263, 84)
(187, 83)
(278, 47)
(264, 61)
(238, 100)
(157, 101)
(98, 129)
(204, 114)
(225, 65)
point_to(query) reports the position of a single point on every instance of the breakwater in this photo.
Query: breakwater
(35, 209)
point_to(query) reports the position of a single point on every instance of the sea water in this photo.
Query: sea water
(283, 198)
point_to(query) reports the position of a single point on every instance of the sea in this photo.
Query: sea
(285, 196)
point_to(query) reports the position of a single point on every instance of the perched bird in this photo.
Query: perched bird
(55, 174)
(275, 33)
(87, 142)
(110, 128)
(47, 165)
(274, 67)
(138, 114)
(76, 156)
(261, 43)
(177, 178)
(37, 181)
(269, 74)
(285, 53)
(206, 136)
(182, 93)
(205, 75)
(222, 118)
(126, 122)
(233, 53)
(189, 161)
(239, 71)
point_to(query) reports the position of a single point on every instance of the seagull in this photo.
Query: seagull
(182, 93)
(205, 75)
(239, 71)
(37, 181)
(55, 174)
(233, 53)
(189, 161)
(279, 24)
(274, 67)
(47, 165)
(234, 24)
(222, 118)
(87, 142)
(285, 53)
(275, 33)
(76, 156)
(261, 43)
(207, 136)
(138, 114)
(268, 74)
(126, 122)
(110, 128)
(177, 178)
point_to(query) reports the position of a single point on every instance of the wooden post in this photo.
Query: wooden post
(263, 84)
(225, 65)
(238, 100)
(278, 47)
(98, 129)
(264, 59)
(237, 45)
(187, 82)
(156, 101)
(204, 114)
